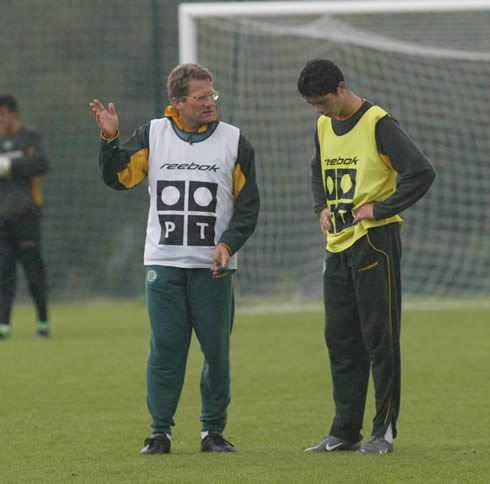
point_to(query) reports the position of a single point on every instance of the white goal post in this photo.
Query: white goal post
(427, 62)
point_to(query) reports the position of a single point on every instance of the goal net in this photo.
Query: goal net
(427, 63)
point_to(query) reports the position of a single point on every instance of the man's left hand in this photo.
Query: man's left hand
(366, 212)
(221, 258)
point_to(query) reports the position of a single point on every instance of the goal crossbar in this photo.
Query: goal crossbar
(190, 12)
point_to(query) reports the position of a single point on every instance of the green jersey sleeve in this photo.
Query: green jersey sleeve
(247, 199)
(415, 171)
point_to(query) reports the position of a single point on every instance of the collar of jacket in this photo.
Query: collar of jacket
(204, 132)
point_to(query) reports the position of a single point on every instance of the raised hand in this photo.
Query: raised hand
(106, 119)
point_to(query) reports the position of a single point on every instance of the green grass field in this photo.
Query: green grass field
(72, 408)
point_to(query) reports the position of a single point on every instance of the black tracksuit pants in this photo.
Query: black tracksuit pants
(362, 295)
(20, 241)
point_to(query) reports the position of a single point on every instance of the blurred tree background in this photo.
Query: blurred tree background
(57, 56)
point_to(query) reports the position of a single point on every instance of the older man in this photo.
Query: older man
(204, 205)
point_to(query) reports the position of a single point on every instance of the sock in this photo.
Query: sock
(389, 434)
(204, 433)
(154, 434)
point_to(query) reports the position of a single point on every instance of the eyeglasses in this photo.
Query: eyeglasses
(205, 97)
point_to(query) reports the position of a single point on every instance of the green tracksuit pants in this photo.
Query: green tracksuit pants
(362, 295)
(180, 300)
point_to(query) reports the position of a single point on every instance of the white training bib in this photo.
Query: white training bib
(191, 197)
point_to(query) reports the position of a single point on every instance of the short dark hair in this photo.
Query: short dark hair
(319, 77)
(10, 102)
(178, 79)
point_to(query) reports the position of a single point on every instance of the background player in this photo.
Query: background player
(22, 160)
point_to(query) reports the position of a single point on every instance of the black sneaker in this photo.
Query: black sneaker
(5, 331)
(214, 442)
(156, 444)
(376, 445)
(43, 329)
(331, 443)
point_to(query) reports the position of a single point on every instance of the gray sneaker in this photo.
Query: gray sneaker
(331, 443)
(376, 445)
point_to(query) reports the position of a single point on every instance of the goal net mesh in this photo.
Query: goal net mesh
(431, 71)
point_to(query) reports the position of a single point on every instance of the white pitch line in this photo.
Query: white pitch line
(407, 306)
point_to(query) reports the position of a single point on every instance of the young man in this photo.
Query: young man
(22, 160)
(360, 150)
(204, 205)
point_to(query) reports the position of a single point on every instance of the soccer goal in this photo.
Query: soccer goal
(426, 62)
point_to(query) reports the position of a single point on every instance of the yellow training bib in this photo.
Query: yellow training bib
(354, 173)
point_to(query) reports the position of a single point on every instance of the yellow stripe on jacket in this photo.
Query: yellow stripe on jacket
(136, 170)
